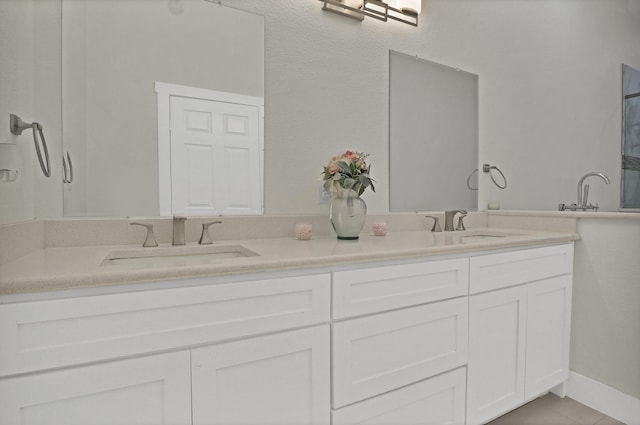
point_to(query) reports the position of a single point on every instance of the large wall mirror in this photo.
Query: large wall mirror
(630, 189)
(113, 55)
(433, 136)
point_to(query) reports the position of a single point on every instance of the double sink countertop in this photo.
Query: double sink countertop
(60, 268)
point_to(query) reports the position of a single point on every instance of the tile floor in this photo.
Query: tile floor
(553, 410)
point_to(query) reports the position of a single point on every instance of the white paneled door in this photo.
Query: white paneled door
(215, 157)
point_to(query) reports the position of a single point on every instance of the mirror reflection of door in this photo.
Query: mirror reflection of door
(630, 190)
(214, 157)
(210, 151)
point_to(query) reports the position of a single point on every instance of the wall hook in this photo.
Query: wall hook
(8, 176)
(67, 169)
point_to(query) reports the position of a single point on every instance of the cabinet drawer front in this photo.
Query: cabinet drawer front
(439, 400)
(46, 334)
(380, 353)
(489, 272)
(358, 292)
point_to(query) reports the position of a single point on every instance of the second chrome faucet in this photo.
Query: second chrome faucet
(448, 221)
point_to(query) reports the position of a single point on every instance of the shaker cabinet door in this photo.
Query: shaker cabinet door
(548, 334)
(277, 379)
(147, 390)
(497, 322)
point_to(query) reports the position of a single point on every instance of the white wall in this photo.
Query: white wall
(30, 88)
(605, 342)
(549, 92)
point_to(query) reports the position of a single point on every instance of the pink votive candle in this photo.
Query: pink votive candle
(303, 231)
(380, 228)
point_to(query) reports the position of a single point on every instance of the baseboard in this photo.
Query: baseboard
(603, 398)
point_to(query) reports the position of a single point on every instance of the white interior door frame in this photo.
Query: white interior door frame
(164, 92)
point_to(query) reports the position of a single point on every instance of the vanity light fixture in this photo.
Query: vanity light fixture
(405, 11)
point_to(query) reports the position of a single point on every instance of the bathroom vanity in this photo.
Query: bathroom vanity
(457, 328)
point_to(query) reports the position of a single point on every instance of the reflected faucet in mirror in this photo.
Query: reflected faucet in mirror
(583, 194)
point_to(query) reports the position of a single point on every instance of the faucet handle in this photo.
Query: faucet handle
(205, 238)
(436, 223)
(585, 195)
(460, 223)
(150, 238)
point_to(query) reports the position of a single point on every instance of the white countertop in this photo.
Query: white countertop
(60, 268)
(611, 215)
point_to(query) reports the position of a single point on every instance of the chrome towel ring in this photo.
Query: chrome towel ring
(488, 168)
(17, 126)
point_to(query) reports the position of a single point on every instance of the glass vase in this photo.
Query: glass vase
(348, 213)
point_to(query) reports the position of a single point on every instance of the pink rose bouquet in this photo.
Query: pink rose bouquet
(348, 170)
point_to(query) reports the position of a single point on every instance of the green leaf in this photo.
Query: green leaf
(348, 183)
(344, 167)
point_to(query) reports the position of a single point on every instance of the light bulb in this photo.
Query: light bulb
(411, 6)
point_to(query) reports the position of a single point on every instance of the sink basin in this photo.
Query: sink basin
(484, 235)
(481, 237)
(176, 256)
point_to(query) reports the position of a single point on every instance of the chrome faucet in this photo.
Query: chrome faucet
(448, 219)
(583, 195)
(583, 192)
(178, 230)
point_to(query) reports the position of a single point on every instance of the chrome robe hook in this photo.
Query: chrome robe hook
(17, 126)
(67, 169)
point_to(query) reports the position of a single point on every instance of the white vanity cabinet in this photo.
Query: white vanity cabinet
(150, 356)
(441, 340)
(519, 335)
